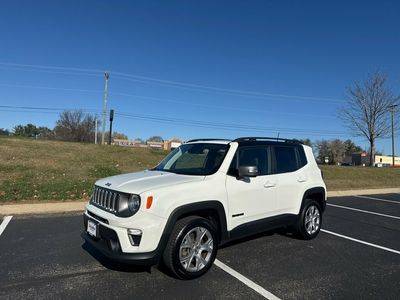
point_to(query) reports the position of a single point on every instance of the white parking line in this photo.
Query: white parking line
(361, 242)
(378, 199)
(5, 222)
(364, 211)
(251, 284)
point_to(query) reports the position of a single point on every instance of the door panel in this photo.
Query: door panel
(291, 179)
(251, 198)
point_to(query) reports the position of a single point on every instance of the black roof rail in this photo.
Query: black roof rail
(206, 139)
(260, 138)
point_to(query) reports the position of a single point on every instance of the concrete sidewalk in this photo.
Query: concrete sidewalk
(363, 192)
(77, 206)
(42, 208)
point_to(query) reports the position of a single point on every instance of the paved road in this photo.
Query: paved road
(44, 257)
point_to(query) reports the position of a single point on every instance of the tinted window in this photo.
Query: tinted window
(285, 159)
(252, 156)
(302, 156)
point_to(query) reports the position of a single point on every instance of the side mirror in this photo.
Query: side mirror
(248, 171)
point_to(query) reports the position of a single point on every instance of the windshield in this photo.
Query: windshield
(194, 159)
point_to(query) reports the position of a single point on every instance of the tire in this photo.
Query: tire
(309, 221)
(197, 256)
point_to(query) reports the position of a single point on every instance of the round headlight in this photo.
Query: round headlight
(134, 203)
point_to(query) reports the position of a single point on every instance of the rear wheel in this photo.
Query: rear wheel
(192, 247)
(309, 221)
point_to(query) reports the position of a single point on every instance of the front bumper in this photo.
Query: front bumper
(109, 245)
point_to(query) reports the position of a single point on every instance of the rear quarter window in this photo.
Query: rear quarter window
(301, 156)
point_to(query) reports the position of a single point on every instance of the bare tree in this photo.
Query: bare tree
(366, 112)
(323, 151)
(75, 126)
(337, 149)
(155, 138)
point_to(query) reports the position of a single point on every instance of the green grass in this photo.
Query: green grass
(49, 170)
(35, 171)
(349, 178)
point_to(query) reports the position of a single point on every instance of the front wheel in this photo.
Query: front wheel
(192, 247)
(309, 221)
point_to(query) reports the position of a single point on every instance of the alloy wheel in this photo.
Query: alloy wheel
(312, 220)
(196, 249)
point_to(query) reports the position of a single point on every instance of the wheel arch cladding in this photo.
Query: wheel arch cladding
(212, 210)
(317, 194)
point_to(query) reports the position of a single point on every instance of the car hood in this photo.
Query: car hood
(139, 182)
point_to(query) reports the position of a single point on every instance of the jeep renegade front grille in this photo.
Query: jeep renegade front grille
(105, 199)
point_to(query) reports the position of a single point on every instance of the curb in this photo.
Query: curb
(77, 206)
(363, 192)
(42, 208)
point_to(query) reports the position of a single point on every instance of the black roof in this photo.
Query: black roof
(251, 140)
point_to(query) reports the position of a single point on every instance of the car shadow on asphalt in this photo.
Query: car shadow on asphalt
(113, 265)
(247, 239)
(280, 231)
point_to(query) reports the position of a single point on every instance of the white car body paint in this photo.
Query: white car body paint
(256, 201)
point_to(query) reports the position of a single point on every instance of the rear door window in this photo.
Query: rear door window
(285, 159)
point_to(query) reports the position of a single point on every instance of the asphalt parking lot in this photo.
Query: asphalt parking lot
(356, 256)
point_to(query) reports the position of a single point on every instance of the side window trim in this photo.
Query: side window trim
(269, 160)
(298, 161)
(273, 160)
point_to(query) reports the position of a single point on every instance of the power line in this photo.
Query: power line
(136, 96)
(29, 111)
(305, 132)
(51, 71)
(50, 67)
(50, 88)
(176, 84)
(226, 125)
(191, 86)
(48, 108)
(226, 107)
(185, 122)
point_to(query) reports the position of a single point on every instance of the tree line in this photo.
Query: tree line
(71, 126)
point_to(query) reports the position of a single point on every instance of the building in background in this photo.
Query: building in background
(360, 159)
(165, 145)
(155, 145)
(386, 161)
(172, 144)
(129, 143)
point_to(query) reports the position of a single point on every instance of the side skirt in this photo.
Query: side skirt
(258, 226)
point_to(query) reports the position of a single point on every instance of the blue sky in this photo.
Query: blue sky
(307, 50)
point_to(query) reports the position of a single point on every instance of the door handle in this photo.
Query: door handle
(269, 184)
(302, 179)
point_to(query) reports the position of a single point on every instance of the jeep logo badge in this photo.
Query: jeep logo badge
(108, 184)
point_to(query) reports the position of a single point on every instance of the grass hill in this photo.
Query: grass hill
(33, 170)
(52, 170)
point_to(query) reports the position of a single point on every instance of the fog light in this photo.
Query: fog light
(134, 235)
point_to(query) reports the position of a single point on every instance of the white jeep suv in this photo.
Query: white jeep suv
(203, 194)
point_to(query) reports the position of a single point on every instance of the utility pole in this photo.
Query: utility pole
(392, 110)
(111, 122)
(106, 76)
(95, 130)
